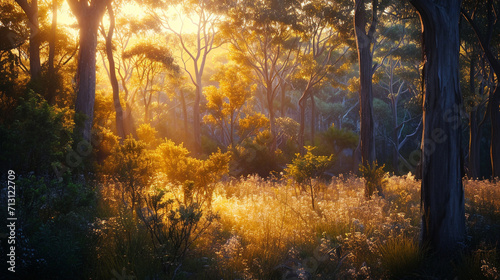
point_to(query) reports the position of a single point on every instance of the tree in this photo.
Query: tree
(317, 58)
(226, 102)
(88, 15)
(150, 63)
(443, 218)
(195, 48)
(31, 11)
(112, 73)
(364, 41)
(262, 39)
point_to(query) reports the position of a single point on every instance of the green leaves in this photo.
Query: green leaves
(308, 166)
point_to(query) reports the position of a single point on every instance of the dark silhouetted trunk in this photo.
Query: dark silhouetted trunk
(31, 11)
(51, 87)
(112, 75)
(443, 214)
(86, 76)
(474, 130)
(364, 41)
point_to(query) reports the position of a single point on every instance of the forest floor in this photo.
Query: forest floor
(268, 229)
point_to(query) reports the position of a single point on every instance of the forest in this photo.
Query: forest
(238, 139)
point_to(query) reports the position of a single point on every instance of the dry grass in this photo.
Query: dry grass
(267, 229)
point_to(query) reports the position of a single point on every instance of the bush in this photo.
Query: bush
(180, 168)
(38, 137)
(254, 156)
(305, 168)
(375, 178)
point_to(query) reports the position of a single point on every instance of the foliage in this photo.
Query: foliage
(375, 178)
(173, 227)
(37, 137)
(180, 168)
(334, 140)
(148, 134)
(254, 156)
(306, 168)
(131, 167)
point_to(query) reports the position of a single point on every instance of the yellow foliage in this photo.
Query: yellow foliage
(148, 134)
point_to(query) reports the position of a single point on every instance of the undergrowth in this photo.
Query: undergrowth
(267, 229)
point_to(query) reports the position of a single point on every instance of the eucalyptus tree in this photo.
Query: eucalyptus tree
(443, 214)
(196, 42)
(262, 38)
(88, 15)
(319, 52)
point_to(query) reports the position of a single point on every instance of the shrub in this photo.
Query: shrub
(305, 168)
(375, 178)
(180, 168)
(254, 156)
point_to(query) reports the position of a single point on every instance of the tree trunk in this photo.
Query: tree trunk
(196, 117)
(474, 130)
(31, 11)
(51, 87)
(283, 99)
(302, 120)
(474, 145)
(86, 76)
(313, 119)
(364, 42)
(495, 130)
(272, 121)
(443, 215)
(184, 113)
(112, 75)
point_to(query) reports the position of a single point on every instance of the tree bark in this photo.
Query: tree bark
(302, 107)
(313, 119)
(364, 41)
(196, 116)
(474, 130)
(31, 11)
(184, 112)
(51, 87)
(442, 194)
(88, 15)
(112, 75)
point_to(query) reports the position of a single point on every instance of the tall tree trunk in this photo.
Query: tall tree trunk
(313, 119)
(302, 119)
(495, 130)
(474, 129)
(112, 75)
(51, 87)
(395, 135)
(86, 76)
(184, 112)
(443, 214)
(31, 11)
(272, 121)
(88, 14)
(364, 41)
(283, 99)
(196, 117)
